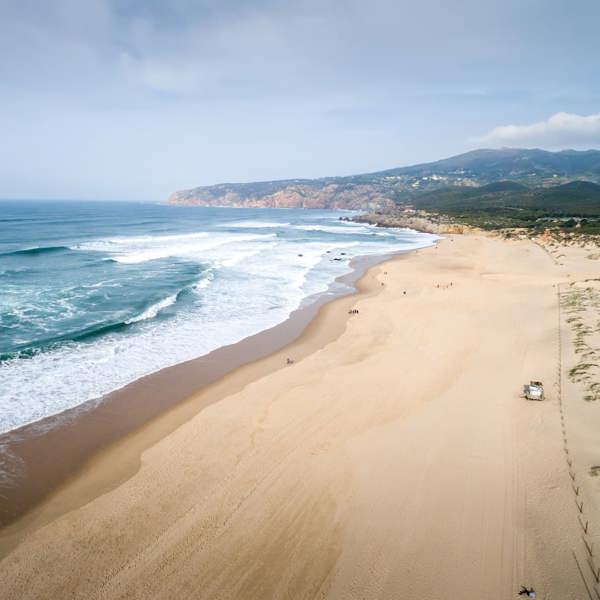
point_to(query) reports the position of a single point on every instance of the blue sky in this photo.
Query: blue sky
(134, 99)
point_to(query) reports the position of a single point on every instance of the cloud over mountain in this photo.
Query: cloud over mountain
(559, 131)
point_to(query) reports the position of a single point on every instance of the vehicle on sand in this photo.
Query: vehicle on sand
(534, 390)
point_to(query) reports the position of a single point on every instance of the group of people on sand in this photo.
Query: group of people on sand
(353, 311)
(443, 286)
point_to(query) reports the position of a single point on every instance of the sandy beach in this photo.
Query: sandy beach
(394, 458)
(39, 457)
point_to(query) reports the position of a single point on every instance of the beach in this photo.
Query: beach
(393, 457)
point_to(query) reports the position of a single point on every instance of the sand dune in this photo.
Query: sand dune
(397, 460)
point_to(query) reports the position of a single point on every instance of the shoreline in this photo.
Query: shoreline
(52, 457)
(396, 458)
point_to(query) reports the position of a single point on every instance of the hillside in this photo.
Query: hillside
(577, 199)
(570, 208)
(532, 166)
(290, 194)
(384, 189)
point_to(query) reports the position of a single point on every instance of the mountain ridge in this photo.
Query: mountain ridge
(381, 190)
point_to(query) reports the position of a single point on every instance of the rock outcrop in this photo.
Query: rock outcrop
(411, 219)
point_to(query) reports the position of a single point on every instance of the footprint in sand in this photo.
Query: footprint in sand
(595, 471)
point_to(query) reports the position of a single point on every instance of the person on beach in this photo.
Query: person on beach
(528, 592)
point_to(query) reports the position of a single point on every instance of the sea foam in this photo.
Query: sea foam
(112, 307)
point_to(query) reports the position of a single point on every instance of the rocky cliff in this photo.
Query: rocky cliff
(412, 219)
(288, 195)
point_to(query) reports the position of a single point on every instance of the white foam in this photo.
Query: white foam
(139, 249)
(153, 310)
(206, 280)
(257, 224)
(355, 229)
(254, 282)
(238, 254)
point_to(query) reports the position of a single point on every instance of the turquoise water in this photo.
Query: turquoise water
(94, 295)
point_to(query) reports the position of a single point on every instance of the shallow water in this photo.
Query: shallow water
(94, 295)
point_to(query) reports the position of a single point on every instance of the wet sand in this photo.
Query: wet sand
(39, 458)
(394, 459)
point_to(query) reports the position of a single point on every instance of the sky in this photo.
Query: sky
(134, 99)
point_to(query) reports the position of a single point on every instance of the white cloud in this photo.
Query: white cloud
(561, 130)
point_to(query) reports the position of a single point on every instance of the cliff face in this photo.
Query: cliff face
(381, 190)
(289, 195)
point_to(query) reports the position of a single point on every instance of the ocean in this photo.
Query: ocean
(94, 295)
